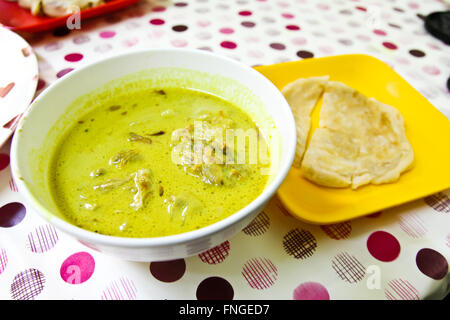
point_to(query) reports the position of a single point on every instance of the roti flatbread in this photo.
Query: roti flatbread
(359, 141)
(302, 95)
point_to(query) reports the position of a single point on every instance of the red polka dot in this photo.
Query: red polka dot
(260, 273)
(73, 57)
(390, 45)
(379, 32)
(41, 84)
(157, 22)
(361, 9)
(226, 30)
(383, 246)
(311, 291)
(107, 34)
(292, 27)
(245, 13)
(4, 161)
(228, 44)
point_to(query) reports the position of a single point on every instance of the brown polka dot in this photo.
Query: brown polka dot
(348, 268)
(248, 24)
(305, 54)
(179, 28)
(439, 202)
(338, 231)
(277, 46)
(258, 226)
(168, 271)
(300, 244)
(431, 263)
(27, 284)
(417, 53)
(11, 214)
(215, 288)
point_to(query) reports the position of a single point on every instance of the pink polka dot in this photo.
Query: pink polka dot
(4, 161)
(434, 46)
(77, 268)
(390, 45)
(107, 34)
(256, 53)
(326, 49)
(311, 291)
(363, 37)
(53, 46)
(287, 15)
(157, 22)
(299, 41)
(292, 27)
(130, 42)
(402, 60)
(322, 6)
(73, 57)
(226, 30)
(413, 5)
(379, 32)
(3, 260)
(228, 44)
(383, 246)
(245, 13)
(252, 39)
(431, 70)
(337, 30)
(179, 43)
(203, 23)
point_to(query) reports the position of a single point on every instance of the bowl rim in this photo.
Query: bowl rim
(117, 241)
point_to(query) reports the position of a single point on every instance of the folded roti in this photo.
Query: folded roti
(302, 95)
(359, 141)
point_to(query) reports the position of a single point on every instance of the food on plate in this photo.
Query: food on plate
(302, 95)
(57, 8)
(359, 141)
(154, 163)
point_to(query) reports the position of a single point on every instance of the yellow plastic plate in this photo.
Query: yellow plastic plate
(427, 129)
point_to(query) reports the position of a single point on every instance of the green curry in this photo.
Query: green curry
(131, 167)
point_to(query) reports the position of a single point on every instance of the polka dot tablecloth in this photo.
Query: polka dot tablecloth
(398, 254)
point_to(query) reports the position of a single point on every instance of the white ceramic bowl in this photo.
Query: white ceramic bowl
(29, 168)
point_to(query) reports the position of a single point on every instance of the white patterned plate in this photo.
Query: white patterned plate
(18, 80)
